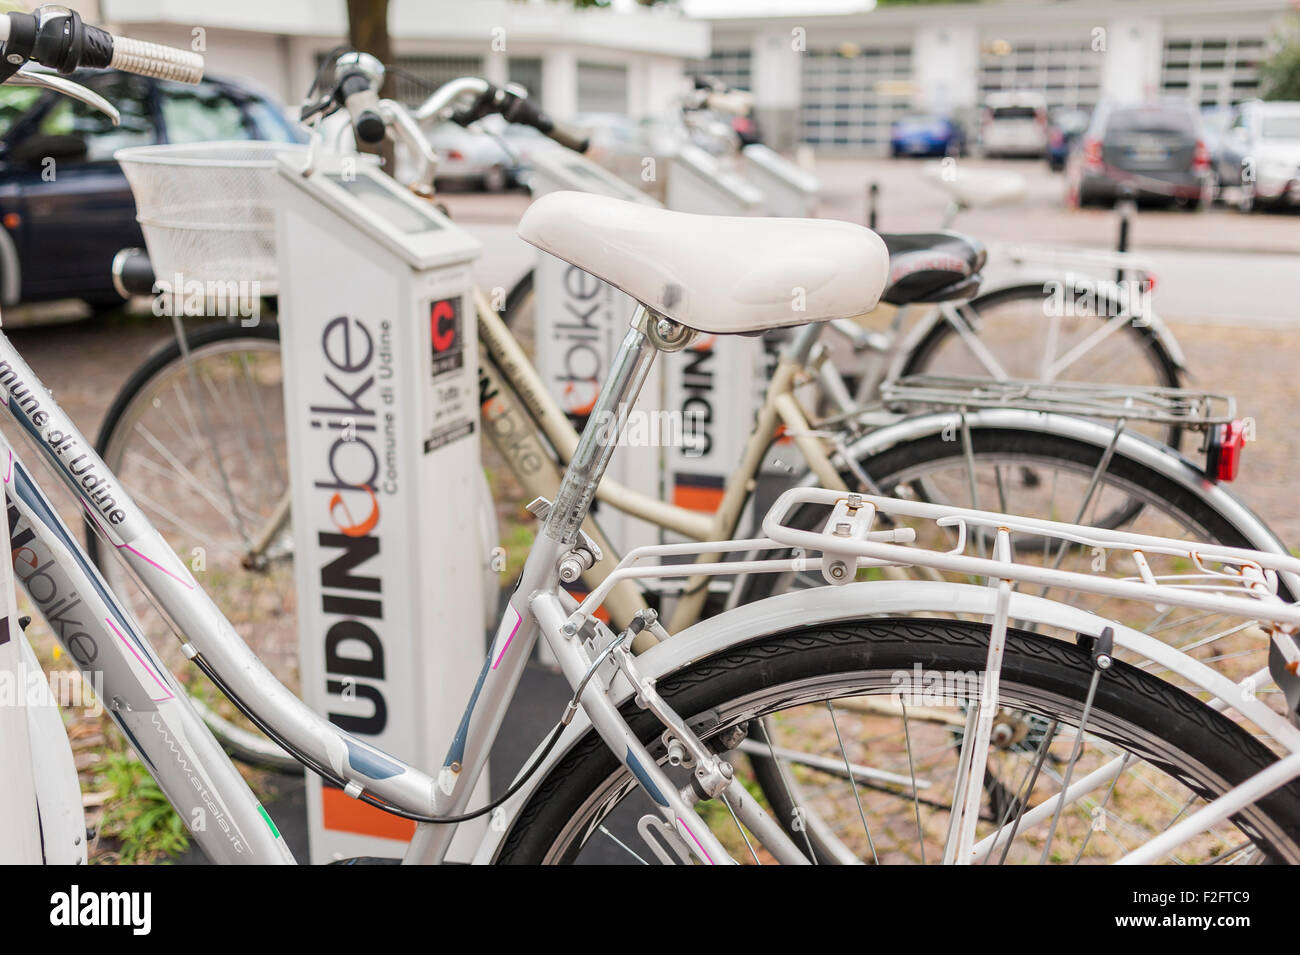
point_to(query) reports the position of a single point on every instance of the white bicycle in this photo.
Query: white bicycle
(1037, 729)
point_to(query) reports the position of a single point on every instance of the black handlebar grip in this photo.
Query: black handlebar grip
(133, 273)
(527, 112)
(570, 139)
(358, 95)
(96, 47)
(369, 127)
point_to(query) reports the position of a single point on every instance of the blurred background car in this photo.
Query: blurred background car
(475, 157)
(65, 205)
(1263, 144)
(1014, 124)
(1064, 128)
(1157, 151)
(927, 134)
(1215, 121)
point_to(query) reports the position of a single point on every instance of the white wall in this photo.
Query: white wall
(945, 66)
(1131, 69)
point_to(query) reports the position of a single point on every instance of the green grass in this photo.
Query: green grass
(138, 816)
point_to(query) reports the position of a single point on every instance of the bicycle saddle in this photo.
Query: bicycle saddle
(974, 188)
(932, 266)
(715, 274)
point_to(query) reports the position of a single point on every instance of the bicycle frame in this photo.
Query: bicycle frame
(99, 633)
(516, 406)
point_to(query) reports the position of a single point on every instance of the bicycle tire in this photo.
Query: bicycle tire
(740, 683)
(907, 455)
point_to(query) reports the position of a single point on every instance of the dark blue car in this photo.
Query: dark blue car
(65, 206)
(928, 135)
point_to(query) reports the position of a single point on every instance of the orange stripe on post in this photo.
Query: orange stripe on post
(696, 498)
(342, 813)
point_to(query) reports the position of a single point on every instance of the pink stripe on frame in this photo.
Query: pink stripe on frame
(681, 823)
(121, 636)
(95, 517)
(518, 621)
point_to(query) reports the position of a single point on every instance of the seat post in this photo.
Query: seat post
(596, 445)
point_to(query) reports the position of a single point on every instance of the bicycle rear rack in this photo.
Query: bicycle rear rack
(1079, 261)
(865, 531)
(1193, 410)
(1230, 580)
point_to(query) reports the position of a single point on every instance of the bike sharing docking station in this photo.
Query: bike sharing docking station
(714, 381)
(381, 397)
(580, 322)
(788, 191)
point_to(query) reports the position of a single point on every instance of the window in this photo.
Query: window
(1212, 71)
(203, 113)
(129, 94)
(526, 71)
(418, 75)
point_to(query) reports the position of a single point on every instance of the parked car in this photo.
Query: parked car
(65, 205)
(1261, 154)
(1215, 122)
(1064, 128)
(927, 134)
(1014, 124)
(1157, 151)
(475, 156)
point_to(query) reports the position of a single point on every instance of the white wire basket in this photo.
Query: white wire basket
(206, 209)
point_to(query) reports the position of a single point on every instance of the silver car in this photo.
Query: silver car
(1261, 154)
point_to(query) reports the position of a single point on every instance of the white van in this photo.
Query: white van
(1014, 124)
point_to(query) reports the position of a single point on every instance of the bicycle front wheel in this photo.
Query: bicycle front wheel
(879, 762)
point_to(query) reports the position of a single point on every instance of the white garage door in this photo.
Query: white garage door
(851, 101)
(730, 66)
(1212, 70)
(602, 88)
(1066, 72)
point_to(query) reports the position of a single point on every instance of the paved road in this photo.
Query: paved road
(1214, 267)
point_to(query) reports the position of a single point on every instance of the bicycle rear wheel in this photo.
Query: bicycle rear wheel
(884, 781)
(1040, 474)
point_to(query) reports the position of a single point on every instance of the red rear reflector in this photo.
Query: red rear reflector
(1092, 152)
(1201, 158)
(1232, 438)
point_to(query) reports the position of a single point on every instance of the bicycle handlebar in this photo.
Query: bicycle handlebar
(58, 38)
(519, 109)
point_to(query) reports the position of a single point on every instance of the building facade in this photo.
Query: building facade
(838, 81)
(628, 59)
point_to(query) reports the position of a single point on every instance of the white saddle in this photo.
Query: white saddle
(715, 274)
(974, 188)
